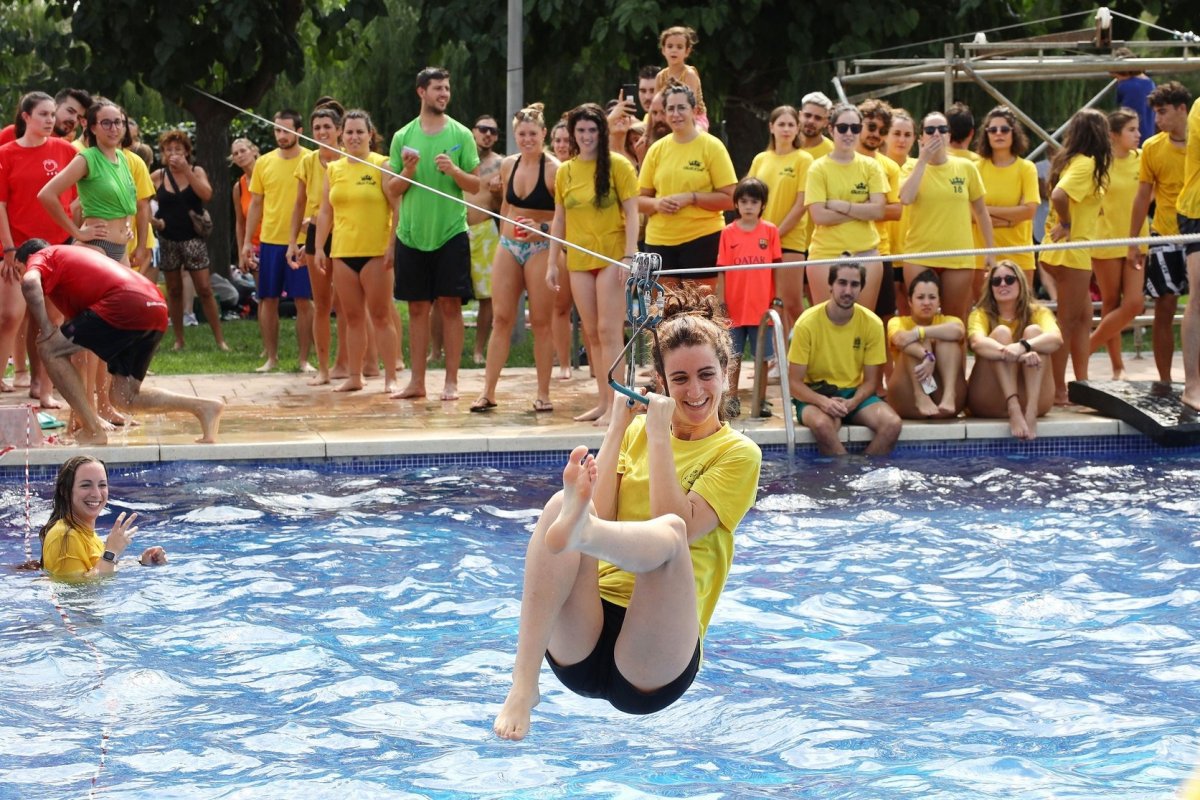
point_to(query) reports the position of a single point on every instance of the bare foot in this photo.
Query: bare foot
(1192, 401)
(4, 387)
(22, 379)
(306, 367)
(178, 345)
(925, 406)
(564, 373)
(224, 348)
(389, 385)
(591, 415)
(352, 384)
(579, 479)
(947, 408)
(414, 391)
(270, 366)
(1031, 420)
(1119, 374)
(322, 378)
(210, 419)
(370, 371)
(512, 722)
(450, 391)
(35, 388)
(339, 371)
(479, 359)
(1017, 424)
(1060, 398)
(602, 421)
(49, 402)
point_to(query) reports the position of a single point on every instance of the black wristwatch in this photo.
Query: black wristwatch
(1028, 347)
(544, 227)
(109, 556)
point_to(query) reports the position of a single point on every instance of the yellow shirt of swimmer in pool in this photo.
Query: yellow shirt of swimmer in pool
(70, 551)
(723, 469)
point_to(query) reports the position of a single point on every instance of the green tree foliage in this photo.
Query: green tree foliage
(233, 49)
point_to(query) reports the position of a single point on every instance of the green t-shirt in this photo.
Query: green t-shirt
(428, 220)
(107, 191)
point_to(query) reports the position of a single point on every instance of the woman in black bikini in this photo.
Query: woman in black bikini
(520, 262)
(182, 187)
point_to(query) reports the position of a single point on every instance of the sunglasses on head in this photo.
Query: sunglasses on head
(487, 129)
(999, 129)
(1007, 280)
(930, 130)
(848, 127)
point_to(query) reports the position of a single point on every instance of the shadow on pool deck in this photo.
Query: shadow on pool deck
(279, 415)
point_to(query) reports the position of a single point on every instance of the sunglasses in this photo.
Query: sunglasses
(999, 129)
(930, 130)
(848, 127)
(487, 129)
(1007, 280)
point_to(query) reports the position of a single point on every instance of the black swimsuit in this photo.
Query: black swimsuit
(539, 199)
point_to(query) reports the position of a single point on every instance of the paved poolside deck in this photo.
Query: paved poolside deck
(279, 416)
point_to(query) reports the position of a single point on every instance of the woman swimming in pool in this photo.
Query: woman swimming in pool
(625, 565)
(70, 546)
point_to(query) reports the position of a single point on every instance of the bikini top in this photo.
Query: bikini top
(539, 199)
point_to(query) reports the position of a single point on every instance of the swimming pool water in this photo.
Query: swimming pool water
(920, 628)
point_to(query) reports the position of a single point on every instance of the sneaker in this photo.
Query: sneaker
(189, 321)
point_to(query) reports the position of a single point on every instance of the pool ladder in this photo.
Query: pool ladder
(758, 399)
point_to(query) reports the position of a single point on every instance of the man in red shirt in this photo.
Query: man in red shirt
(117, 314)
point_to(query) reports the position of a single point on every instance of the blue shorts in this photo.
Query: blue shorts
(741, 334)
(277, 278)
(845, 394)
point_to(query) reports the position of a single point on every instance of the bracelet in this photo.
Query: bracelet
(920, 334)
(1066, 224)
(1028, 347)
(929, 356)
(10, 249)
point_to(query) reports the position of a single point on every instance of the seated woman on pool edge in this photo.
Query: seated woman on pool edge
(927, 345)
(625, 565)
(70, 546)
(1006, 330)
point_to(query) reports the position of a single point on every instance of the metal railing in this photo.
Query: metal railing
(759, 395)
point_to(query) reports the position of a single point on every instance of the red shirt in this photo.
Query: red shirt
(77, 278)
(23, 173)
(8, 134)
(749, 292)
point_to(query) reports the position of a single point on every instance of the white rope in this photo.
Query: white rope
(1186, 36)
(438, 192)
(918, 257)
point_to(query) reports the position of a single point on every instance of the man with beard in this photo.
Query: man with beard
(657, 129)
(481, 228)
(70, 106)
(273, 188)
(877, 121)
(834, 359)
(433, 250)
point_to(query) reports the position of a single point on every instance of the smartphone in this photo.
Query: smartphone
(631, 95)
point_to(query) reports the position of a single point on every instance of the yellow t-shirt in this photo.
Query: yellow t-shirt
(601, 230)
(70, 551)
(1116, 209)
(144, 190)
(1162, 165)
(275, 179)
(1188, 203)
(701, 165)
(816, 151)
(837, 353)
(940, 218)
(1076, 180)
(977, 322)
(891, 171)
(897, 324)
(785, 176)
(969, 155)
(856, 182)
(723, 469)
(898, 228)
(362, 216)
(311, 172)
(1013, 185)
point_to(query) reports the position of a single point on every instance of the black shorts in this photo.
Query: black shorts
(125, 352)
(598, 676)
(696, 254)
(885, 304)
(310, 241)
(1188, 226)
(356, 263)
(1166, 271)
(424, 276)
